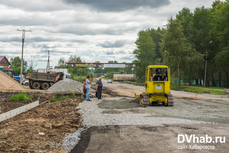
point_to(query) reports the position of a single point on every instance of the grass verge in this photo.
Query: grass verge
(200, 90)
(60, 98)
(21, 97)
(79, 78)
(193, 89)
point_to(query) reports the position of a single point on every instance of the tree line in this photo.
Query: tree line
(15, 64)
(190, 41)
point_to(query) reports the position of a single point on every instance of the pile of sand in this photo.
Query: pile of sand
(8, 83)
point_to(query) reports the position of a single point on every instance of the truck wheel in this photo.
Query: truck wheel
(30, 85)
(45, 86)
(36, 85)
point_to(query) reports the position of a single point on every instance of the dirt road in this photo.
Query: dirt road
(129, 90)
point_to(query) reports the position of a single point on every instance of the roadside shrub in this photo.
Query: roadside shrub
(60, 98)
(21, 97)
(79, 78)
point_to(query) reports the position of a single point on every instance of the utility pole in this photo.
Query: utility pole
(48, 63)
(23, 40)
(206, 59)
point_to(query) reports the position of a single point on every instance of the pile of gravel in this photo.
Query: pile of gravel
(67, 86)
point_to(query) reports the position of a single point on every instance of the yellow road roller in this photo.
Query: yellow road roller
(157, 86)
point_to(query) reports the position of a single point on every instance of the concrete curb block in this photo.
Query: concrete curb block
(18, 110)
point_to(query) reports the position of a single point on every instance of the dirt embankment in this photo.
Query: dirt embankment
(40, 129)
(7, 83)
(7, 105)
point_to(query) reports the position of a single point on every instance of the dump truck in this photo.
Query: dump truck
(38, 80)
(157, 86)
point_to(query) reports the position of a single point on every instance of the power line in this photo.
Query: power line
(23, 40)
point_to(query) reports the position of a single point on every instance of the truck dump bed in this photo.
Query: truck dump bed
(46, 77)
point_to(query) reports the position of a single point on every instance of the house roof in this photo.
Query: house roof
(2, 57)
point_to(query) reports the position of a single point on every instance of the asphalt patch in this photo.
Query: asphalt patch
(122, 103)
(144, 139)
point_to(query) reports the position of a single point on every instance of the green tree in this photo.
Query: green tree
(16, 65)
(74, 59)
(77, 70)
(175, 48)
(220, 33)
(202, 32)
(32, 65)
(186, 19)
(145, 53)
(157, 39)
(112, 61)
(61, 63)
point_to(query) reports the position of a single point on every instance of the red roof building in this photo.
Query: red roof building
(4, 61)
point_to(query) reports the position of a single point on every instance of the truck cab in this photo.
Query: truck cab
(67, 77)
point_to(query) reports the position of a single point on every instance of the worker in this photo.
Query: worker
(88, 86)
(165, 76)
(157, 71)
(99, 88)
(84, 89)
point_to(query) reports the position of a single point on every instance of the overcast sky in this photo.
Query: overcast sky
(95, 30)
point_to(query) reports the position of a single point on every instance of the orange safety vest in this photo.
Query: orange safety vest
(83, 86)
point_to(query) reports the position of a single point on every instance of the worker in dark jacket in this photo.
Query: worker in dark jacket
(99, 88)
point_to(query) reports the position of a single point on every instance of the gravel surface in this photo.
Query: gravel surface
(201, 110)
(67, 86)
(117, 112)
(71, 140)
(95, 116)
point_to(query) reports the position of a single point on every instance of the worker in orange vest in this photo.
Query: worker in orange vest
(84, 89)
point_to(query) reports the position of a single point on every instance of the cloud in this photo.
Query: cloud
(129, 58)
(96, 29)
(30, 39)
(112, 44)
(110, 53)
(38, 5)
(119, 5)
(11, 39)
(9, 53)
(117, 52)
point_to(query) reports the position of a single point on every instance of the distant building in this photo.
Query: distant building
(4, 61)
